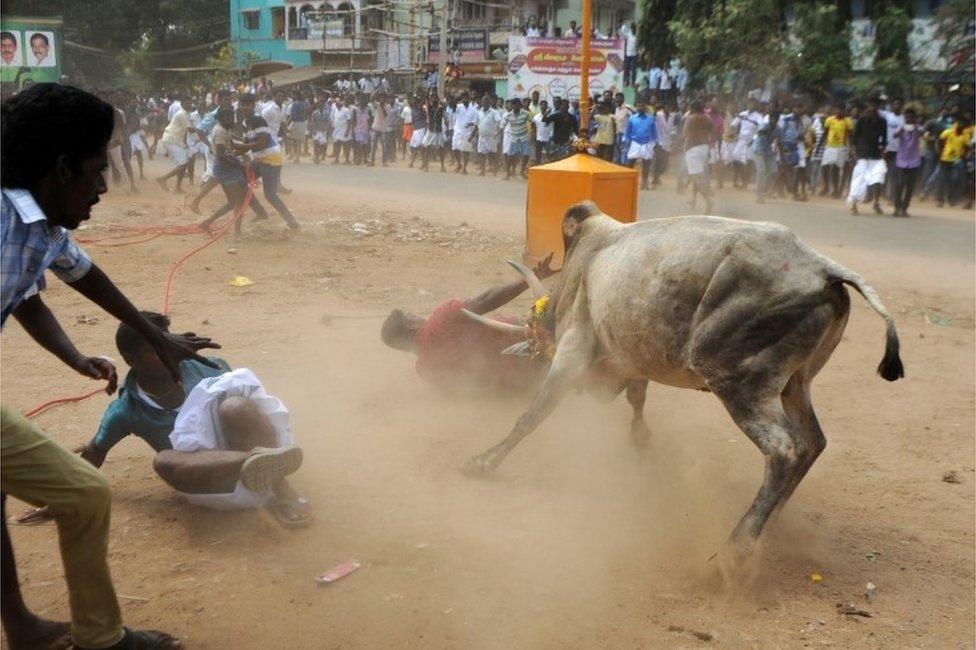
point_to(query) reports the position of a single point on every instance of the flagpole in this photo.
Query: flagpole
(585, 74)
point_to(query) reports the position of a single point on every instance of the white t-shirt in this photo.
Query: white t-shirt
(665, 83)
(748, 123)
(630, 44)
(895, 122)
(488, 123)
(466, 118)
(175, 132)
(543, 131)
(406, 115)
(341, 116)
(274, 115)
(173, 109)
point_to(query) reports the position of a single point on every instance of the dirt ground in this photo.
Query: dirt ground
(580, 540)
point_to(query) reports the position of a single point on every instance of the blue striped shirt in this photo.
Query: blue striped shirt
(29, 245)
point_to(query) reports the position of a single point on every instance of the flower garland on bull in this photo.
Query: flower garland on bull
(540, 323)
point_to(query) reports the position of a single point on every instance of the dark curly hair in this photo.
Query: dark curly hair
(129, 341)
(44, 122)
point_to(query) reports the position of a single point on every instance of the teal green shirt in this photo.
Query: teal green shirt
(128, 414)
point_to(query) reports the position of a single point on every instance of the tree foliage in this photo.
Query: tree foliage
(130, 35)
(820, 51)
(954, 29)
(713, 38)
(653, 34)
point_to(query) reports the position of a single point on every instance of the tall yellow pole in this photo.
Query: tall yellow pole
(585, 73)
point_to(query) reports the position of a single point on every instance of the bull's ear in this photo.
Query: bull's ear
(520, 349)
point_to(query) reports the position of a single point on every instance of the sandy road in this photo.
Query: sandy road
(580, 541)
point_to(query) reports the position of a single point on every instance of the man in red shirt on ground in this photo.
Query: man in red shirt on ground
(458, 354)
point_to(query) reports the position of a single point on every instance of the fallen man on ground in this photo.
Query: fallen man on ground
(458, 354)
(222, 442)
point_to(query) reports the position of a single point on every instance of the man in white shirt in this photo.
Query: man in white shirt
(274, 113)
(895, 121)
(465, 128)
(174, 141)
(629, 34)
(341, 130)
(175, 106)
(489, 122)
(664, 120)
(543, 132)
(746, 124)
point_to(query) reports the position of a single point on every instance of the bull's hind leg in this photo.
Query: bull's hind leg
(640, 433)
(573, 357)
(809, 437)
(765, 422)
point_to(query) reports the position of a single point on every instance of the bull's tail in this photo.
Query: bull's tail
(891, 367)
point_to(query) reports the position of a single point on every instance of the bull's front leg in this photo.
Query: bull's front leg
(573, 356)
(640, 433)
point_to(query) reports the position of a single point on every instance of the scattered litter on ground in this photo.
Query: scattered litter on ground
(232, 251)
(872, 556)
(338, 571)
(936, 318)
(701, 636)
(241, 281)
(84, 319)
(950, 477)
(850, 609)
(816, 578)
(870, 591)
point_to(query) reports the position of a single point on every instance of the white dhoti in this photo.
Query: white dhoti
(836, 156)
(488, 144)
(462, 141)
(137, 144)
(742, 152)
(866, 173)
(417, 138)
(696, 159)
(197, 428)
(640, 151)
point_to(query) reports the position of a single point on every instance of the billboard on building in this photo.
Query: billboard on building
(552, 66)
(463, 44)
(30, 50)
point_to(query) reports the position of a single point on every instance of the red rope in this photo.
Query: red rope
(158, 232)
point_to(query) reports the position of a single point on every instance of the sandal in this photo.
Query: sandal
(291, 514)
(143, 640)
(265, 467)
(35, 516)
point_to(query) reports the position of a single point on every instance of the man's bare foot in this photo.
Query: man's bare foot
(38, 634)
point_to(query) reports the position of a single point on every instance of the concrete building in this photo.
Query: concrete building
(258, 26)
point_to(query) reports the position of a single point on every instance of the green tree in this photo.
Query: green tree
(954, 29)
(653, 34)
(117, 34)
(820, 50)
(712, 38)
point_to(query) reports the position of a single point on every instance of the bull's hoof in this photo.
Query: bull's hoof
(640, 435)
(479, 466)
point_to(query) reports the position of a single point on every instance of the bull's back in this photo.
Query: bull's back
(650, 283)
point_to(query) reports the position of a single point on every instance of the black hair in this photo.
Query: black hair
(696, 106)
(246, 98)
(8, 35)
(128, 341)
(45, 122)
(41, 37)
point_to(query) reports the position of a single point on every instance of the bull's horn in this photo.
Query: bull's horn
(534, 283)
(508, 328)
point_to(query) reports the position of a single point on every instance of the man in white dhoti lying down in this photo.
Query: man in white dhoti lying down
(221, 440)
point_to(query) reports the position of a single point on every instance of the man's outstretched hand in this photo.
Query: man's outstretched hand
(543, 269)
(98, 368)
(173, 348)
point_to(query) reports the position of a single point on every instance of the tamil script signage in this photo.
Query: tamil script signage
(552, 66)
(463, 44)
(30, 50)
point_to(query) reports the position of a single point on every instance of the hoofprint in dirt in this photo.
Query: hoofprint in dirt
(579, 541)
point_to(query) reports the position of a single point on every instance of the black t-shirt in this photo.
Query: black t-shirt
(870, 136)
(435, 118)
(564, 125)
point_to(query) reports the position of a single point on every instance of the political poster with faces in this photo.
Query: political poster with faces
(30, 50)
(552, 66)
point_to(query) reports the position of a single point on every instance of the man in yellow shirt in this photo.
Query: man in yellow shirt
(838, 129)
(953, 143)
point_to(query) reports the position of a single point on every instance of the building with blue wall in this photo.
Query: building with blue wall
(258, 26)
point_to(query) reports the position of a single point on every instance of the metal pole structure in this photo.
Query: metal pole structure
(442, 59)
(585, 74)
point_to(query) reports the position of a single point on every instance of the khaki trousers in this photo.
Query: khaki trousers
(36, 469)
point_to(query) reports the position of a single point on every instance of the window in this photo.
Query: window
(252, 19)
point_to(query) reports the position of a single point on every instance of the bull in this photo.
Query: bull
(744, 310)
